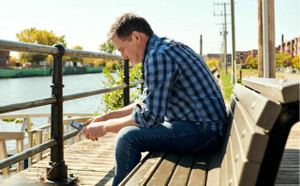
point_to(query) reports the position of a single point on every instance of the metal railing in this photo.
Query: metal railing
(57, 169)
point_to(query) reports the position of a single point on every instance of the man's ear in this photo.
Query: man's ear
(136, 36)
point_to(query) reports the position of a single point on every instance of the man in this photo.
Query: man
(181, 108)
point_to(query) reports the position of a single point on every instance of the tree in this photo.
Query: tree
(43, 37)
(212, 63)
(253, 62)
(295, 62)
(107, 47)
(283, 59)
(248, 59)
(114, 100)
(76, 59)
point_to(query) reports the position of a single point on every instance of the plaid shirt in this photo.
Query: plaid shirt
(178, 86)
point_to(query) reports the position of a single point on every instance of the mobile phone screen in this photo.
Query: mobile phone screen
(77, 125)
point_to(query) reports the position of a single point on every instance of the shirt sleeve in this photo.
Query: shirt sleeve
(159, 77)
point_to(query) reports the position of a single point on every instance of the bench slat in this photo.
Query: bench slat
(165, 170)
(246, 171)
(254, 139)
(278, 89)
(214, 169)
(141, 174)
(262, 110)
(198, 172)
(181, 173)
(229, 168)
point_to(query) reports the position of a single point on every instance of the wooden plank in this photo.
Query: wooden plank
(284, 91)
(182, 172)
(12, 135)
(224, 175)
(3, 155)
(214, 169)
(261, 109)
(165, 170)
(198, 173)
(20, 148)
(254, 139)
(144, 170)
(230, 167)
(246, 171)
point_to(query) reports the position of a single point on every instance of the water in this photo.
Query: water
(28, 89)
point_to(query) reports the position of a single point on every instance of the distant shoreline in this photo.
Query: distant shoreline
(35, 72)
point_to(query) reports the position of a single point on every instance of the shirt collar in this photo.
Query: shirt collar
(149, 45)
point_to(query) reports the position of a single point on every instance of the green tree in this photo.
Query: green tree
(248, 59)
(114, 100)
(253, 62)
(212, 63)
(43, 37)
(295, 62)
(283, 59)
(76, 59)
(107, 47)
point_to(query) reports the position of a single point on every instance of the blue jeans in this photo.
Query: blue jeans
(175, 136)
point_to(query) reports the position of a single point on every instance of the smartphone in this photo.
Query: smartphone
(77, 125)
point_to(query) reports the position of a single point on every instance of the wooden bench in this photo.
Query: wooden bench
(261, 114)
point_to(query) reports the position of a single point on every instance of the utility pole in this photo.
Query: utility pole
(233, 61)
(200, 46)
(224, 32)
(268, 38)
(260, 40)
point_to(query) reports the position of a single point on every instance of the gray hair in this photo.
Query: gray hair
(128, 23)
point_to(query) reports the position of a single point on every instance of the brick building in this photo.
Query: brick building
(241, 56)
(4, 59)
(291, 47)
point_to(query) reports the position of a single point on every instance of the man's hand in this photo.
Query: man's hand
(95, 119)
(93, 130)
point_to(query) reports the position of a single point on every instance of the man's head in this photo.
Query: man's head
(130, 34)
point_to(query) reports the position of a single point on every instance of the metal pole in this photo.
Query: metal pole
(126, 81)
(260, 40)
(265, 38)
(225, 39)
(57, 170)
(233, 62)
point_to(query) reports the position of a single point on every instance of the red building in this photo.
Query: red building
(241, 56)
(4, 59)
(291, 47)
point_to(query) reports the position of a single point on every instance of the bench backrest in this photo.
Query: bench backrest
(261, 115)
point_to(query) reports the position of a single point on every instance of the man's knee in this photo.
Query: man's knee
(127, 135)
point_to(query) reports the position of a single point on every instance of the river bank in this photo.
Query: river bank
(34, 72)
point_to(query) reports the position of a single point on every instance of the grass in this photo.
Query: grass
(226, 79)
(226, 84)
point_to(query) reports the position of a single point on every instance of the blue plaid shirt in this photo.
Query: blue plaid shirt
(178, 86)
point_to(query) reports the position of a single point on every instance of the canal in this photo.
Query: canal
(17, 90)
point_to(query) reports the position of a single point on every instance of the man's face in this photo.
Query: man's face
(129, 49)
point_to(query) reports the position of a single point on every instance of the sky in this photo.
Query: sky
(86, 22)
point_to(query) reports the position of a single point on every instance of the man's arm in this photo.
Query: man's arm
(98, 129)
(125, 111)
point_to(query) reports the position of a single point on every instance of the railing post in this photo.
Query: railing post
(126, 81)
(57, 170)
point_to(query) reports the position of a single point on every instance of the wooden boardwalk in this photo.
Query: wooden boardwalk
(93, 163)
